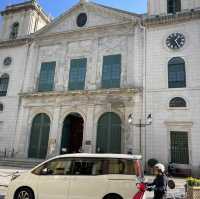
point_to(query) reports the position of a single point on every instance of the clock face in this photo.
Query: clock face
(175, 40)
(7, 61)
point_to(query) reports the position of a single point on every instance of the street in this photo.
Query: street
(6, 172)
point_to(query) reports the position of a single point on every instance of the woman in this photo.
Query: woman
(159, 185)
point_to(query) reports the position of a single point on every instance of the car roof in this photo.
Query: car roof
(93, 155)
(101, 155)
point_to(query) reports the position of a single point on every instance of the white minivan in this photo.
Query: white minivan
(80, 176)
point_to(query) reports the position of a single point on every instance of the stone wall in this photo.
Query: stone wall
(158, 95)
(16, 71)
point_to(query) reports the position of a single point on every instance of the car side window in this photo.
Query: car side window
(55, 167)
(121, 166)
(88, 167)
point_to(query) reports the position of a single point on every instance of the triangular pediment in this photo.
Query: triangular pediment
(97, 15)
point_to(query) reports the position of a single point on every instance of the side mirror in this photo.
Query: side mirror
(171, 184)
(46, 171)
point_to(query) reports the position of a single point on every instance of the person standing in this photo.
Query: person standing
(159, 185)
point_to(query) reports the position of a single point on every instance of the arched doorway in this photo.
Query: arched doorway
(39, 136)
(109, 134)
(72, 134)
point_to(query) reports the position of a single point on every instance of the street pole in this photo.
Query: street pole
(140, 127)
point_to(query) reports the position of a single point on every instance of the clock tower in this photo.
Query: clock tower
(20, 20)
(164, 7)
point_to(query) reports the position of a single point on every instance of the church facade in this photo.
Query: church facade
(71, 84)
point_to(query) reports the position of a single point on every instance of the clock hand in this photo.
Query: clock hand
(177, 43)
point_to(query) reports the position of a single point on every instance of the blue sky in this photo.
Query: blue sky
(56, 7)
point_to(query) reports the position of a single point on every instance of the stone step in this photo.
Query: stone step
(27, 164)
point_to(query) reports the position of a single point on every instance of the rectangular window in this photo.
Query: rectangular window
(46, 79)
(177, 5)
(4, 86)
(111, 74)
(173, 6)
(77, 74)
(179, 147)
(177, 76)
(1, 126)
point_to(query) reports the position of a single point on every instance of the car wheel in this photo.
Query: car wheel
(24, 193)
(113, 196)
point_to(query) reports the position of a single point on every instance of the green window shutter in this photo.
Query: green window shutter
(179, 148)
(77, 74)
(46, 80)
(111, 74)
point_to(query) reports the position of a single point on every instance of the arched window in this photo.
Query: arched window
(177, 102)
(1, 107)
(176, 73)
(14, 30)
(173, 6)
(4, 80)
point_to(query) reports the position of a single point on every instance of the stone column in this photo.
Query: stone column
(89, 130)
(54, 136)
(22, 133)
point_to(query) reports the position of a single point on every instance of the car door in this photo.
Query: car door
(54, 181)
(88, 180)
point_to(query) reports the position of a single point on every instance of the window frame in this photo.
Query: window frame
(175, 7)
(1, 107)
(187, 160)
(5, 77)
(75, 84)
(178, 107)
(14, 30)
(52, 86)
(173, 64)
(111, 82)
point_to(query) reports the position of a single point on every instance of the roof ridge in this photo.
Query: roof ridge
(116, 9)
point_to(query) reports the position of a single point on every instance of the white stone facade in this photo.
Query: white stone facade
(30, 20)
(158, 7)
(141, 41)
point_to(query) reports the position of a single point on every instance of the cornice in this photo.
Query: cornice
(81, 93)
(104, 28)
(14, 42)
(159, 20)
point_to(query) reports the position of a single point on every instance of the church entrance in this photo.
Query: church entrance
(109, 134)
(39, 139)
(72, 134)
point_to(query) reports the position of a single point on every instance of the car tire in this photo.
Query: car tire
(113, 196)
(24, 193)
